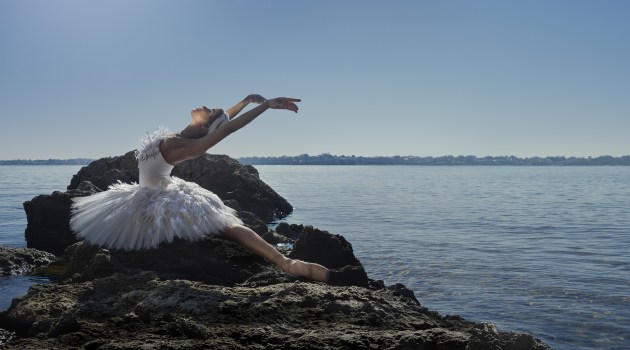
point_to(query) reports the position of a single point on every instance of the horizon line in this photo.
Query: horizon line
(333, 155)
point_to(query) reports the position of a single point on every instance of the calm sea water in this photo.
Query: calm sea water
(544, 250)
(536, 249)
(17, 185)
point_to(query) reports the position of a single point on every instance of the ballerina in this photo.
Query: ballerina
(161, 208)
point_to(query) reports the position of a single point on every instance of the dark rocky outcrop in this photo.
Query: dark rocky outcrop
(22, 261)
(291, 231)
(143, 311)
(213, 294)
(48, 219)
(312, 243)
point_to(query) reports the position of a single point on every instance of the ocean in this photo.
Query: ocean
(542, 250)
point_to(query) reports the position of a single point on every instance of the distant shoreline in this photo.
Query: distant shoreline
(74, 161)
(328, 159)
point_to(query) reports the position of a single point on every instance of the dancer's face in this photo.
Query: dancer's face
(204, 115)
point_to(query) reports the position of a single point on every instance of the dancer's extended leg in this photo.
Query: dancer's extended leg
(254, 243)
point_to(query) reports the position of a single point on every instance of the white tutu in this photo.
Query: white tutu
(130, 217)
(162, 208)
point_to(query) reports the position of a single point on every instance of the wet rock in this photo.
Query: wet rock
(5, 336)
(22, 261)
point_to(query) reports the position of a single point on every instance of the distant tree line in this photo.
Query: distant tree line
(74, 161)
(328, 159)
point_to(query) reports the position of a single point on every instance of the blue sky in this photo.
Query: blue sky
(428, 78)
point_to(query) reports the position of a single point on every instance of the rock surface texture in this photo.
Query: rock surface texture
(22, 261)
(213, 294)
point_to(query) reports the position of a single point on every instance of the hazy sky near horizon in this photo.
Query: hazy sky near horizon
(87, 78)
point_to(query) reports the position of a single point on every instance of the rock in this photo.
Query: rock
(48, 219)
(274, 238)
(291, 231)
(284, 233)
(348, 276)
(99, 172)
(22, 261)
(85, 188)
(401, 290)
(142, 310)
(48, 216)
(5, 336)
(487, 337)
(252, 221)
(332, 251)
(211, 260)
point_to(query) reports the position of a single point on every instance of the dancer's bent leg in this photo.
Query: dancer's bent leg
(254, 243)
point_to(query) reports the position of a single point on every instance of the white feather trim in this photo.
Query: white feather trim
(150, 144)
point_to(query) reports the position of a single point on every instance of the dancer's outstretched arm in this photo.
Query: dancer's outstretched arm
(206, 142)
(177, 150)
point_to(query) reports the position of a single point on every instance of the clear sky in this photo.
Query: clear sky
(86, 78)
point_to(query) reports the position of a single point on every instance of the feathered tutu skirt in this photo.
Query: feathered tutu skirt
(130, 217)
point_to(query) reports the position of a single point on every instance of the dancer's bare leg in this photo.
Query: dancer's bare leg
(254, 243)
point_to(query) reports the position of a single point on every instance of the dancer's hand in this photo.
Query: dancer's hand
(284, 103)
(253, 98)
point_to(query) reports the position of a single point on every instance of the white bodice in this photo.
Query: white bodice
(154, 171)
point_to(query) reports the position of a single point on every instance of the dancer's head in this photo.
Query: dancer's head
(204, 115)
(207, 120)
